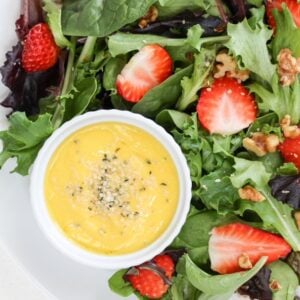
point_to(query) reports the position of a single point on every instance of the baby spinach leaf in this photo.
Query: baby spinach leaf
(203, 65)
(181, 289)
(171, 119)
(219, 284)
(172, 7)
(119, 103)
(118, 285)
(78, 101)
(250, 44)
(23, 139)
(286, 277)
(195, 232)
(53, 11)
(100, 17)
(111, 70)
(162, 96)
(122, 43)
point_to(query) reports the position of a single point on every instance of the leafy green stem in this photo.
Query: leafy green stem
(215, 39)
(88, 50)
(70, 66)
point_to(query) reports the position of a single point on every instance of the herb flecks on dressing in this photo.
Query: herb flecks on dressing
(112, 188)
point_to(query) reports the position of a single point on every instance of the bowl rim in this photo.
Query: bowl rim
(52, 231)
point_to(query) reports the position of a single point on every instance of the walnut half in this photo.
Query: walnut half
(289, 131)
(288, 67)
(150, 17)
(244, 261)
(250, 193)
(227, 66)
(261, 143)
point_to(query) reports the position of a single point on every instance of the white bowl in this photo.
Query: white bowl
(52, 230)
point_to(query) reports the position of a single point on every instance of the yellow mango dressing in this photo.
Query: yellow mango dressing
(112, 188)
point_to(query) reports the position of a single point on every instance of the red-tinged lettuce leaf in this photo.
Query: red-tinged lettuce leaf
(286, 189)
(28, 88)
(258, 287)
(238, 8)
(31, 14)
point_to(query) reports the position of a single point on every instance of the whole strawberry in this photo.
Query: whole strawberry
(152, 279)
(40, 52)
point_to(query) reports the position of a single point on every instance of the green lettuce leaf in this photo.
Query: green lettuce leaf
(217, 191)
(287, 34)
(221, 285)
(287, 169)
(100, 17)
(203, 65)
(273, 212)
(250, 44)
(287, 279)
(281, 100)
(191, 145)
(23, 140)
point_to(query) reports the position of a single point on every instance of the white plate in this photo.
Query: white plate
(60, 277)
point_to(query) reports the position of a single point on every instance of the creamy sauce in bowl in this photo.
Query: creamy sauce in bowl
(112, 188)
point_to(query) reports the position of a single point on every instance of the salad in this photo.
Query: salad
(222, 77)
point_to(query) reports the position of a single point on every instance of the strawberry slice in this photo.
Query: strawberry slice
(292, 5)
(229, 243)
(290, 150)
(226, 107)
(145, 70)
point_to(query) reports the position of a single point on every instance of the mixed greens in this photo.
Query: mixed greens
(98, 38)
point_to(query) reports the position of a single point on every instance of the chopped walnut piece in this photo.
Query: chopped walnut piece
(275, 286)
(288, 67)
(289, 131)
(149, 17)
(261, 143)
(250, 193)
(297, 218)
(244, 261)
(227, 66)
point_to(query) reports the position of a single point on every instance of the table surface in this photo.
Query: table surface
(14, 282)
